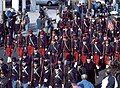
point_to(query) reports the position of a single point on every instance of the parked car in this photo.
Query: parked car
(47, 2)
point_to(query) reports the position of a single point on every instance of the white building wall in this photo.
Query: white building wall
(15, 4)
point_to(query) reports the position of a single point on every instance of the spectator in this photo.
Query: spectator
(84, 83)
(26, 21)
(39, 23)
(91, 70)
(109, 81)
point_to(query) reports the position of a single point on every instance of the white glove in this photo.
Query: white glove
(45, 80)
(91, 57)
(50, 86)
(29, 83)
(101, 57)
(97, 67)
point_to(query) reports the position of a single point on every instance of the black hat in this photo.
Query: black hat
(56, 66)
(36, 61)
(14, 59)
(46, 63)
(24, 61)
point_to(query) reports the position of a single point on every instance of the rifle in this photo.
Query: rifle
(64, 63)
(19, 78)
(41, 72)
(32, 71)
(51, 68)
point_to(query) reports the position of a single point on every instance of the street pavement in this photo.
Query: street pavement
(52, 13)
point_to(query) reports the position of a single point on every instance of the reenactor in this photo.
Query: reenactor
(14, 72)
(4, 73)
(66, 46)
(25, 74)
(76, 48)
(108, 53)
(36, 54)
(73, 73)
(81, 70)
(117, 48)
(57, 77)
(100, 36)
(36, 74)
(9, 47)
(42, 42)
(91, 70)
(97, 51)
(85, 50)
(53, 49)
(20, 42)
(46, 76)
(111, 34)
(31, 43)
(26, 58)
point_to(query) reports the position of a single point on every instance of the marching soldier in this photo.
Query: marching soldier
(36, 54)
(42, 42)
(31, 43)
(20, 41)
(85, 50)
(108, 53)
(117, 48)
(97, 50)
(66, 46)
(9, 48)
(100, 37)
(76, 48)
(26, 58)
(36, 74)
(15, 72)
(4, 73)
(53, 49)
(46, 75)
(25, 74)
(57, 77)
(73, 74)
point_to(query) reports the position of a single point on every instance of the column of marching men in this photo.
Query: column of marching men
(77, 46)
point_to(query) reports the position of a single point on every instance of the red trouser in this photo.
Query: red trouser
(106, 59)
(76, 55)
(30, 50)
(20, 51)
(84, 58)
(96, 59)
(9, 51)
(42, 51)
(66, 54)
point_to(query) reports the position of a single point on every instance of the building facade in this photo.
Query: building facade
(19, 5)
